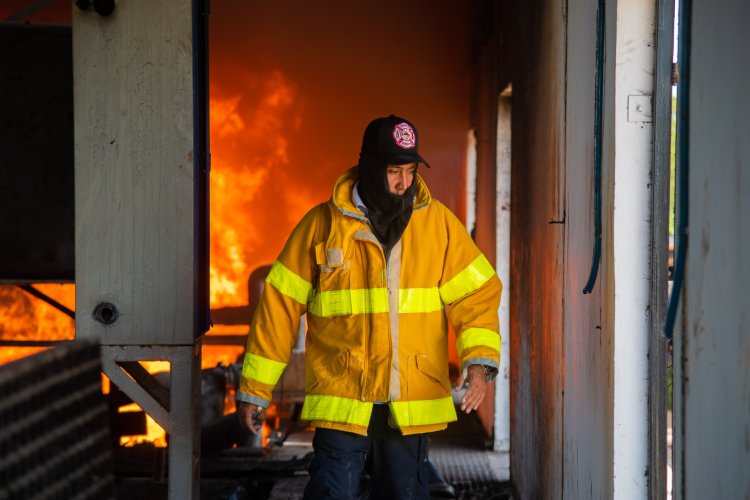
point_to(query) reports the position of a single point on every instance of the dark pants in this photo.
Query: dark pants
(398, 464)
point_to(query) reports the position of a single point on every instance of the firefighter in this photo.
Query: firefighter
(379, 270)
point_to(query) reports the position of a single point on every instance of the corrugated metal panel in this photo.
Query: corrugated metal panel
(54, 431)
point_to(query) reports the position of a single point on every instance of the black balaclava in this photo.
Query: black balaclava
(387, 141)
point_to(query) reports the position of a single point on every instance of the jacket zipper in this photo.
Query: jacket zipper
(390, 333)
(384, 281)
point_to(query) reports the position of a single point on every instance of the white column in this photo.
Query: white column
(502, 265)
(471, 180)
(633, 89)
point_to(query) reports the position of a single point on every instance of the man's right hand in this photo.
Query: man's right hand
(251, 416)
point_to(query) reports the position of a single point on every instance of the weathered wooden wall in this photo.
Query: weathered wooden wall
(563, 358)
(587, 343)
(712, 347)
(537, 244)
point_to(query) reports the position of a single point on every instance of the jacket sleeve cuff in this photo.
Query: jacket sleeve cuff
(490, 365)
(249, 398)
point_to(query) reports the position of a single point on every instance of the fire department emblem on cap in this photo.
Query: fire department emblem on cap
(404, 135)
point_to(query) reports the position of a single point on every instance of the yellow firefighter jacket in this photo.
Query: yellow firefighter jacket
(377, 330)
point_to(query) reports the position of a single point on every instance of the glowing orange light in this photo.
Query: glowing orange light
(23, 317)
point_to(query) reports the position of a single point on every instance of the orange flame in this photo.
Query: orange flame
(23, 317)
(250, 138)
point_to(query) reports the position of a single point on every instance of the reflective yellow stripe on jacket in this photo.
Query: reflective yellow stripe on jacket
(374, 300)
(355, 412)
(469, 280)
(473, 337)
(336, 409)
(358, 301)
(265, 371)
(419, 300)
(289, 283)
(423, 412)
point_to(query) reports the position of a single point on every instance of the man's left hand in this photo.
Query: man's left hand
(477, 381)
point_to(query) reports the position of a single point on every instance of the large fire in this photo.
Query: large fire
(251, 180)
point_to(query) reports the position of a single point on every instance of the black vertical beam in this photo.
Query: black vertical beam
(202, 162)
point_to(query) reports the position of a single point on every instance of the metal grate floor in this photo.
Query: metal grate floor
(462, 456)
(473, 473)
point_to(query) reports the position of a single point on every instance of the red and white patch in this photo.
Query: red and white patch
(404, 135)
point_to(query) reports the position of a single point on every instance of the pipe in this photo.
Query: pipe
(683, 132)
(599, 134)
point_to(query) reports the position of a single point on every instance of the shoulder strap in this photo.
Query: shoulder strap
(323, 227)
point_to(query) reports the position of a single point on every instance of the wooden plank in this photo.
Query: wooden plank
(134, 172)
(714, 338)
(657, 356)
(147, 382)
(184, 423)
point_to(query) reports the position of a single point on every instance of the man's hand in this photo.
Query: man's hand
(251, 416)
(477, 382)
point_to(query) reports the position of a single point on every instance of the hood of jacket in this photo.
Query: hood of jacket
(342, 194)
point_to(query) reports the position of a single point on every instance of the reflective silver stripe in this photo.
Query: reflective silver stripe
(361, 234)
(249, 398)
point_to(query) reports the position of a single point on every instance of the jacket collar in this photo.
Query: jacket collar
(342, 194)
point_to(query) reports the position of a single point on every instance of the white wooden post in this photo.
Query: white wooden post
(141, 206)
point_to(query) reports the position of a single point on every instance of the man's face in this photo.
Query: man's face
(400, 177)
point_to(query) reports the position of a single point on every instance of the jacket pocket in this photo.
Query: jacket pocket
(333, 296)
(426, 379)
(326, 370)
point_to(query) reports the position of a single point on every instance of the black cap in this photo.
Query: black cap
(391, 140)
